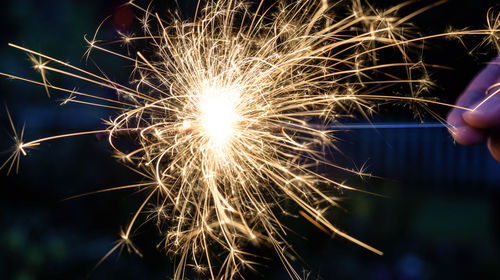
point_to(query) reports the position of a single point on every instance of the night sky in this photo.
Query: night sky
(440, 222)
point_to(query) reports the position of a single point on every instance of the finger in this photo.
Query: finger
(466, 135)
(459, 129)
(461, 132)
(473, 94)
(486, 116)
(494, 147)
(476, 90)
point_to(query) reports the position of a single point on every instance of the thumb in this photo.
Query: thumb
(486, 116)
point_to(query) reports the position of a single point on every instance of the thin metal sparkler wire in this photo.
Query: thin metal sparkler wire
(353, 126)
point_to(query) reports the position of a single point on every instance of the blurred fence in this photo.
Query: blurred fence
(423, 155)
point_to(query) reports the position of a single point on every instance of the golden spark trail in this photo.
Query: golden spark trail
(235, 111)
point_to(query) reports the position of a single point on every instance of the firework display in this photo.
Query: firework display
(231, 114)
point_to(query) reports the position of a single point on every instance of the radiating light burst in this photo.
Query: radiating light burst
(219, 115)
(230, 114)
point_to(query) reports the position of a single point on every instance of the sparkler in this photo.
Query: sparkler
(229, 110)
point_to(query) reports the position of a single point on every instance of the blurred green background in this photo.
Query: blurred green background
(441, 221)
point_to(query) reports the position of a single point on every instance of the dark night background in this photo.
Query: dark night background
(441, 222)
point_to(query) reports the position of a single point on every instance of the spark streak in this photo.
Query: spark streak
(224, 108)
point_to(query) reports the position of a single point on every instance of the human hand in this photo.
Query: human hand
(481, 122)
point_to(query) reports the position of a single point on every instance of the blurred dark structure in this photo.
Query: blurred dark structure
(441, 222)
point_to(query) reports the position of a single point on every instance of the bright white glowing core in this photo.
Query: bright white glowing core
(218, 108)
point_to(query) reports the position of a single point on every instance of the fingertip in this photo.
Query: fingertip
(485, 116)
(465, 135)
(475, 119)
